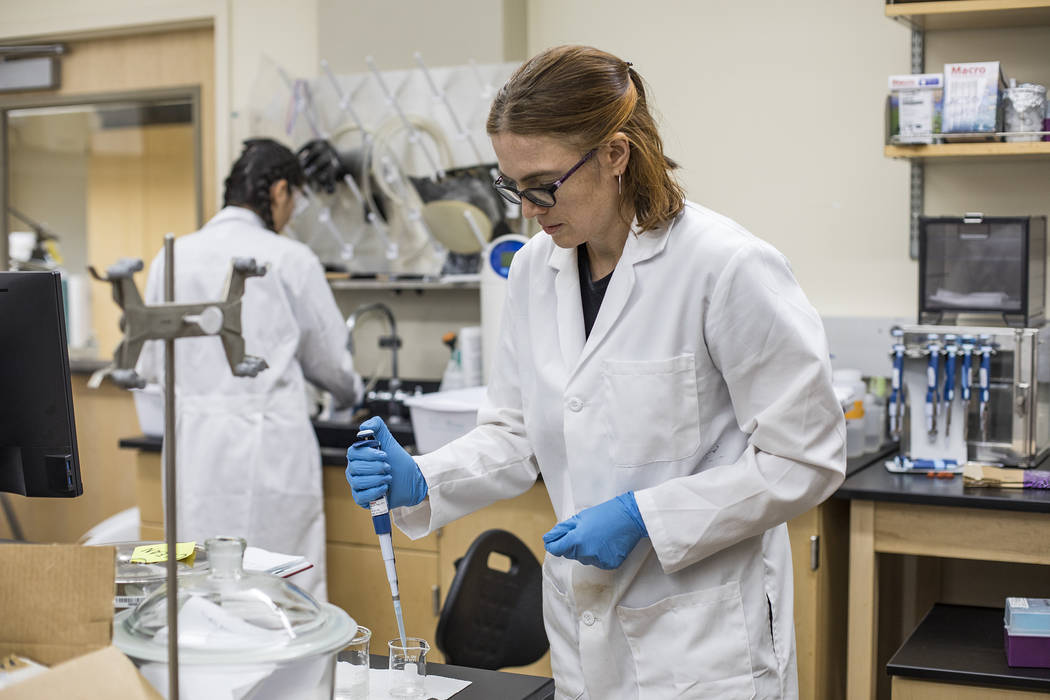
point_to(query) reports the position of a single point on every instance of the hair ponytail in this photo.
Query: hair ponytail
(262, 163)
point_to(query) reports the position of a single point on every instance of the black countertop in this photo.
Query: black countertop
(85, 365)
(855, 464)
(333, 438)
(963, 644)
(485, 685)
(875, 483)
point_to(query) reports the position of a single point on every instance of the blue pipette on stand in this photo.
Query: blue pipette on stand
(381, 523)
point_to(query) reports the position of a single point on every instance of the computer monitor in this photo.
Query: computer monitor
(38, 444)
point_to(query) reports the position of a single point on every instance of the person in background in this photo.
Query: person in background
(248, 460)
(663, 371)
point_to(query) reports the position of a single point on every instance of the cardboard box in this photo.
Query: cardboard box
(915, 107)
(972, 93)
(56, 608)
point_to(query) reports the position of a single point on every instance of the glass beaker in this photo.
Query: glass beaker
(355, 653)
(408, 666)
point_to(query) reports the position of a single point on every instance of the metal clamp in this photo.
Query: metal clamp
(167, 321)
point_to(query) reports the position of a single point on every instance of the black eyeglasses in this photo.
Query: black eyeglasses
(540, 196)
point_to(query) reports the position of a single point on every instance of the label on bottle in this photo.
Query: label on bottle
(856, 412)
(378, 507)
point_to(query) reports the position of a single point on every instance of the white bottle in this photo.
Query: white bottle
(453, 378)
(875, 414)
(851, 389)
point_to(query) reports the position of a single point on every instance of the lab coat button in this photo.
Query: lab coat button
(588, 618)
(575, 404)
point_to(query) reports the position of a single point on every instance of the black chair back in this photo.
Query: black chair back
(492, 619)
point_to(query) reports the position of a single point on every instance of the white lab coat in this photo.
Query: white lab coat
(248, 462)
(704, 387)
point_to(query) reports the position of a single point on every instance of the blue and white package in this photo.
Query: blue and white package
(971, 97)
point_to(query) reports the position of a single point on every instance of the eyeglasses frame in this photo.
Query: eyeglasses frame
(504, 190)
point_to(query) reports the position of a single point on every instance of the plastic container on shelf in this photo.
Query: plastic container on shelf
(1026, 632)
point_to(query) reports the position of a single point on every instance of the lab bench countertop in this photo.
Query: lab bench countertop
(963, 644)
(333, 438)
(875, 483)
(485, 685)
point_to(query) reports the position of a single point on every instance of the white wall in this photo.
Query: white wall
(450, 32)
(775, 110)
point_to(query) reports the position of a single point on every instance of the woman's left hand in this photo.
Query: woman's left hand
(602, 535)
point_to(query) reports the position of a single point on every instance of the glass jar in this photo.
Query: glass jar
(237, 629)
(1024, 109)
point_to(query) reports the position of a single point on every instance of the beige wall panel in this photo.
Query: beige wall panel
(357, 583)
(140, 187)
(102, 417)
(178, 58)
(149, 489)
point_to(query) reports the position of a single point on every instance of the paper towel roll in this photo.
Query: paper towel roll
(78, 304)
(470, 354)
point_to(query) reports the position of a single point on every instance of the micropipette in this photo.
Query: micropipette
(381, 523)
(951, 350)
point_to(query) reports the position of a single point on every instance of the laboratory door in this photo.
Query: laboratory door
(98, 169)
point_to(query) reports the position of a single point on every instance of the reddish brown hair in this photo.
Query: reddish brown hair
(584, 96)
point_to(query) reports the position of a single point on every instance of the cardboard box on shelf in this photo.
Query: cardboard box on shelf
(915, 107)
(972, 97)
(56, 603)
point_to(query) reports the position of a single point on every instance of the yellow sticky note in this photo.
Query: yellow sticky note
(156, 553)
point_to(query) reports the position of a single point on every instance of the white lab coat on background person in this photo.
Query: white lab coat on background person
(704, 387)
(247, 460)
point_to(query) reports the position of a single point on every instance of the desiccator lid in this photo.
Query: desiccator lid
(228, 615)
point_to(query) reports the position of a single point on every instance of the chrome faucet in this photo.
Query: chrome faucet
(391, 341)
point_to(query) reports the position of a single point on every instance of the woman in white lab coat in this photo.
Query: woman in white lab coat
(662, 370)
(248, 462)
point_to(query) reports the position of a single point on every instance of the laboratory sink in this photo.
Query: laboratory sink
(340, 434)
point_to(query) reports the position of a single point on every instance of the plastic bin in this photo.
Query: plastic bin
(149, 406)
(1026, 632)
(442, 416)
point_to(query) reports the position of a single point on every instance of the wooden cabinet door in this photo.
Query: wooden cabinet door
(357, 583)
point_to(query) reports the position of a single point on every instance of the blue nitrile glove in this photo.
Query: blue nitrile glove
(384, 471)
(602, 535)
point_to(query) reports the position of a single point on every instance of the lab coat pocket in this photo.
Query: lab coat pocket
(692, 645)
(652, 410)
(560, 620)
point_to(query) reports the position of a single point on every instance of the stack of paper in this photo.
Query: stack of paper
(283, 565)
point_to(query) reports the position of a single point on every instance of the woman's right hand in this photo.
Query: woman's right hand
(386, 470)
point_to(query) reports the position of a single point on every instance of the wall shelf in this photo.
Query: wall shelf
(377, 284)
(970, 14)
(1012, 150)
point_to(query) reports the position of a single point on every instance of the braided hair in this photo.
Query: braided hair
(262, 163)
